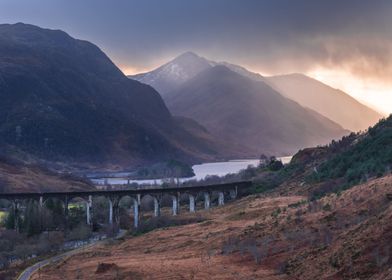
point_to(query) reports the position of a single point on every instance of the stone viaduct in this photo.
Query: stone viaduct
(223, 191)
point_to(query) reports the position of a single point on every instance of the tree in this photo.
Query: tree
(275, 164)
(263, 161)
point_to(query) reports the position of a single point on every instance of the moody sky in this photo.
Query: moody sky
(347, 44)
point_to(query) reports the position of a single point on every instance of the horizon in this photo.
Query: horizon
(345, 45)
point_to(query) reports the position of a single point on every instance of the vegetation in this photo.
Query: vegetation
(353, 159)
(272, 173)
(18, 246)
(165, 222)
(358, 158)
(168, 169)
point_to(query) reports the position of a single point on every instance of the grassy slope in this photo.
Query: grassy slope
(268, 237)
(16, 176)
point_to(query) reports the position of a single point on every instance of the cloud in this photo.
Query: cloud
(366, 56)
(270, 36)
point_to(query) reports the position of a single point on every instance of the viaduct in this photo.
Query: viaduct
(228, 190)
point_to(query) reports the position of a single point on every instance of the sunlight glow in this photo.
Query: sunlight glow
(375, 94)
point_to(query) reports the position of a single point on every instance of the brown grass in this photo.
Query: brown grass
(338, 237)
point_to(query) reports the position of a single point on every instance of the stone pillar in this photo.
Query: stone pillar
(110, 211)
(207, 202)
(221, 198)
(157, 207)
(139, 199)
(89, 204)
(175, 205)
(192, 207)
(135, 213)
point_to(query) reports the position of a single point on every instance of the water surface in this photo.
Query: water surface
(201, 171)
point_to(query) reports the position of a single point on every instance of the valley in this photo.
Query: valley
(201, 140)
(289, 220)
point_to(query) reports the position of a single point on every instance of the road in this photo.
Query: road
(28, 272)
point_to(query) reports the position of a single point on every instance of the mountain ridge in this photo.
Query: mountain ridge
(249, 113)
(362, 117)
(330, 102)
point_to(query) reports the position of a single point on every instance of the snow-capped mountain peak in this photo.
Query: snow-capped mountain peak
(168, 76)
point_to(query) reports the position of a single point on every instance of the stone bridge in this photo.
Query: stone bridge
(223, 191)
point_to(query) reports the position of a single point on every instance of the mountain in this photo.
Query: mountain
(172, 74)
(250, 113)
(332, 103)
(64, 100)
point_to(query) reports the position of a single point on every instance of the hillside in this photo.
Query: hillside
(338, 166)
(282, 233)
(64, 100)
(249, 113)
(257, 237)
(368, 155)
(16, 176)
(332, 103)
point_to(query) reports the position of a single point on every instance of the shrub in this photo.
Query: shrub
(81, 232)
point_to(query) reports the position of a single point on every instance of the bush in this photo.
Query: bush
(81, 232)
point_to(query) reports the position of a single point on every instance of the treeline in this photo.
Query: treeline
(168, 169)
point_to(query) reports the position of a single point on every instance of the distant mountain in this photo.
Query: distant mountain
(332, 103)
(172, 74)
(250, 113)
(184, 67)
(62, 99)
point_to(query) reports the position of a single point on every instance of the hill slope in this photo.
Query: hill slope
(355, 159)
(257, 237)
(332, 103)
(64, 100)
(250, 113)
(16, 176)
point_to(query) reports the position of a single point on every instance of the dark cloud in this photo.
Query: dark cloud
(270, 36)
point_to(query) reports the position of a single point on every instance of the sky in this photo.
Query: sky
(346, 44)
